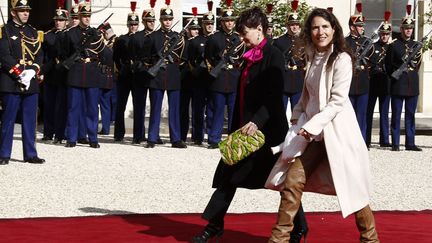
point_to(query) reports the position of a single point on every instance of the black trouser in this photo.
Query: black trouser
(219, 204)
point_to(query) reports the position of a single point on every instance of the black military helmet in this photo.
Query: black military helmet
(132, 17)
(194, 24)
(357, 19)
(61, 13)
(74, 10)
(209, 17)
(228, 12)
(149, 14)
(386, 26)
(20, 5)
(166, 13)
(293, 17)
(84, 9)
(408, 21)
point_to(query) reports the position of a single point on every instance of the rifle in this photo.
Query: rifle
(225, 59)
(414, 50)
(165, 52)
(68, 62)
(365, 48)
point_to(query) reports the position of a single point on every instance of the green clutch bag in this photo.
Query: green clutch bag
(238, 146)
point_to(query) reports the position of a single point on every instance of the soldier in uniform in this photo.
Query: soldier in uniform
(122, 60)
(21, 56)
(140, 46)
(223, 48)
(360, 81)
(107, 97)
(166, 79)
(84, 46)
(187, 79)
(406, 87)
(269, 32)
(380, 84)
(200, 76)
(74, 20)
(54, 98)
(293, 51)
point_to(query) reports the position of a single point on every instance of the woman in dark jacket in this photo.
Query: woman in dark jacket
(258, 106)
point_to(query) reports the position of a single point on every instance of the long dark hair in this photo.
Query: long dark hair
(251, 18)
(339, 43)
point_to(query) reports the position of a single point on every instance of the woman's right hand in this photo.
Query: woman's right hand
(293, 121)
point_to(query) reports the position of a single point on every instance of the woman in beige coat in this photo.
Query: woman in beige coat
(336, 161)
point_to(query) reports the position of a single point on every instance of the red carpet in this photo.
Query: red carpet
(393, 226)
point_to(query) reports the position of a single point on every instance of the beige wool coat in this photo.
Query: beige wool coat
(346, 173)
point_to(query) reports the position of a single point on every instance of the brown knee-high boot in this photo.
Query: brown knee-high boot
(365, 222)
(290, 203)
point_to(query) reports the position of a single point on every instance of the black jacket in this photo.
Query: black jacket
(360, 79)
(262, 105)
(85, 74)
(294, 63)
(408, 82)
(217, 44)
(139, 50)
(11, 56)
(379, 78)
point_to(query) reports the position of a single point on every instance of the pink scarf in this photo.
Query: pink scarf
(251, 57)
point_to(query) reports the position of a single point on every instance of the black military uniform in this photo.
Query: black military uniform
(405, 88)
(187, 84)
(224, 84)
(85, 77)
(166, 79)
(140, 46)
(379, 87)
(293, 52)
(359, 89)
(20, 57)
(123, 62)
(54, 94)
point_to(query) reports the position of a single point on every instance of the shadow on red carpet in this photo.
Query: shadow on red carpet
(393, 226)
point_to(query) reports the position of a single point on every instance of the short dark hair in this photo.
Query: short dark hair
(251, 18)
(339, 43)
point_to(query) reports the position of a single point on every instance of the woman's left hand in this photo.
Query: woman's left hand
(250, 128)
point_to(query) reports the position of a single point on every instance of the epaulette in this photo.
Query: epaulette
(1, 33)
(49, 31)
(40, 36)
(193, 37)
(67, 29)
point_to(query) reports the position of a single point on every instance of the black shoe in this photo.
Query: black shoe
(300, 229)
(94, 145)
(83, 141)
(103, 133)
(413, 148)
(150, 145)
(35, 160)
(118, 139)
(136, 141)
(213, 146)
(4, 161)
(395, 148)
(159, 141)
(385, 145)
(70, 144)
(179, 144)
(199, 143)
(210, 231)
(46, 138)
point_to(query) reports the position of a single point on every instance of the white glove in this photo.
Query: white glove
(26, 76)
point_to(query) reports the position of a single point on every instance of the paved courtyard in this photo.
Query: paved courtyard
(123, 178)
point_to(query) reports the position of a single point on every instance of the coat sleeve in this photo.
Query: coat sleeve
(341, 83)
(273, 92)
